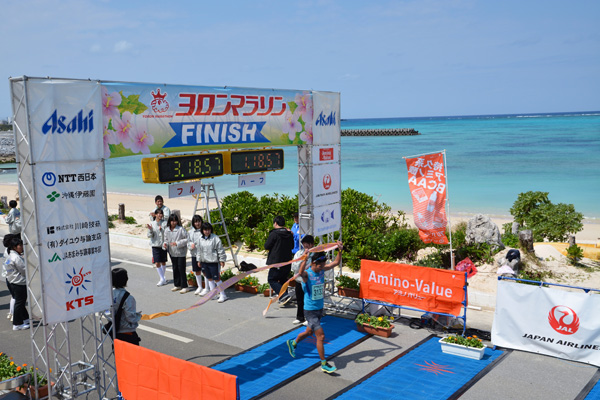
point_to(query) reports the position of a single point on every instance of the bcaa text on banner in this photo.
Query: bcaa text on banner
(424, 288)
(427, 184)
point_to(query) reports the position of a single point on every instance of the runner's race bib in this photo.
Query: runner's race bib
(317, 292)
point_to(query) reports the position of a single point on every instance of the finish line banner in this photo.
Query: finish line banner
(427, 289)
(427, 184)
(548, 321)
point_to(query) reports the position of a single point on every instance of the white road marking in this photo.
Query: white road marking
(165, 334)
(136, 263)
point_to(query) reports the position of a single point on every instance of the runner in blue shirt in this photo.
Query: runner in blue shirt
(313, 285)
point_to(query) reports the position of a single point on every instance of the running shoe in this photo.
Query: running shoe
(291, 348)
(162, 282)
(222, 297)
(328, 368)
(204, 292)
(297, 321)
(285, 299)
(185, 290)
(176, 288)
(20, 327)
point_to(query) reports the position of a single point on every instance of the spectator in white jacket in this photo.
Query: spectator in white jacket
(156, 233)
(16, 278)
(194, 234)
(13, 219)
(6, 243)
(210, 252)
(175, 242)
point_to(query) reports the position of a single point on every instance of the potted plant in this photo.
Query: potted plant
(469, 347)
(266, 290)
(191, 279)
(13, 376)
(379, 326)
(249, 284)
(347, 286)
(227, 274)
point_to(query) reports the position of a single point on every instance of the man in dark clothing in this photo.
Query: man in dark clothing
(279, 244)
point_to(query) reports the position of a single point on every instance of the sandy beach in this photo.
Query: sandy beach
(139, 206)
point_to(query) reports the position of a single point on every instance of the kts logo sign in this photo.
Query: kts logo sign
(159, 104)
(326, 181)
(78, 280)
(563, 320)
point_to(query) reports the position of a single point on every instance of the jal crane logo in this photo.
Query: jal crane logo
(563, 320)
(326, 181)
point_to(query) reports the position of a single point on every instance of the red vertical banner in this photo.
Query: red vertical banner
(427, 184)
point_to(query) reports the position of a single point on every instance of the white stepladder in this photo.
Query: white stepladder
(208, 193)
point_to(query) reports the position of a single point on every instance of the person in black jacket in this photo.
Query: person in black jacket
(279, 244)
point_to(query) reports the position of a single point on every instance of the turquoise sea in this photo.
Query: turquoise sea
(490, 160)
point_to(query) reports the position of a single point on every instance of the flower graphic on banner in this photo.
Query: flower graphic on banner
(141, 140)
(298, 119)
(121, 136)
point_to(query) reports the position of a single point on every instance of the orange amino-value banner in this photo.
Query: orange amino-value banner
(145, 374)
(427, 289)
(427, 184)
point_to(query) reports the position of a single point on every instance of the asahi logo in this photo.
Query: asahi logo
(563, 320)
(80, 123)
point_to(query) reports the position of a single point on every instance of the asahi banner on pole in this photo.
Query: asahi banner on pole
(427, 184)
(547, 321)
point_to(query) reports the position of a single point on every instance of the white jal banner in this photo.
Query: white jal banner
(65, 120)
(326, 184)
(327, 219)
(74, 251)
(548, 321)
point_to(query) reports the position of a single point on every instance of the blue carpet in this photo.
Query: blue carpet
(423, 373)
(594, 393)
(263, 367)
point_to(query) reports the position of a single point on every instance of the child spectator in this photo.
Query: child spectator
(211, 253)
(175, 242)
(13, 219)
(194, 234)
(156, 233)
(128, 322)
(16, 278)
(160, 205)
(6, 243)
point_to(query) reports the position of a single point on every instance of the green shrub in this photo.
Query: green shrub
(574, 254)
(508, 239)
(554, 222)
(249, 281)
(115, 217)
(347, 282)
(477, 252)
(433, 260)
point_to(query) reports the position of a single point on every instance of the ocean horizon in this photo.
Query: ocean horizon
(490, 160)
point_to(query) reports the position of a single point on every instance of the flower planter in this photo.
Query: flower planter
(192, 283)
(15, 382)
(374, 330)
(346, 292)
(268, 293)
(462, 351)
(29, 391)
(247, 289)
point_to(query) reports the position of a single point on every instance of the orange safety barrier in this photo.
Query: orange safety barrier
(145, 374)
(427, 289)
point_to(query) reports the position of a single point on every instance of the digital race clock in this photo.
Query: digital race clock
(182, 168)
(248, 161)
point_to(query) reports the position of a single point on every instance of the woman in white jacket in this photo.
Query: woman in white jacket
(175, 242)
(156, 233)
(210, 252)
(15, 276)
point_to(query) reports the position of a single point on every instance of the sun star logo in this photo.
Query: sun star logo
(78, 280)
(327, 182)
(436, 368)
(563, 320)
(159, 104)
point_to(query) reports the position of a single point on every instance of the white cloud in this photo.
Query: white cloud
(123, 46)
(349, 77)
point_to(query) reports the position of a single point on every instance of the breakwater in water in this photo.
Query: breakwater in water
(380, 132)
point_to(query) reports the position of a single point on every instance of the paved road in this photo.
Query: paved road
(216, 331)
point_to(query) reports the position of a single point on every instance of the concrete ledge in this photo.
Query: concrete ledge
(129, 240)
(483, 300)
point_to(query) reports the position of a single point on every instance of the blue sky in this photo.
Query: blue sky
(386, 58)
